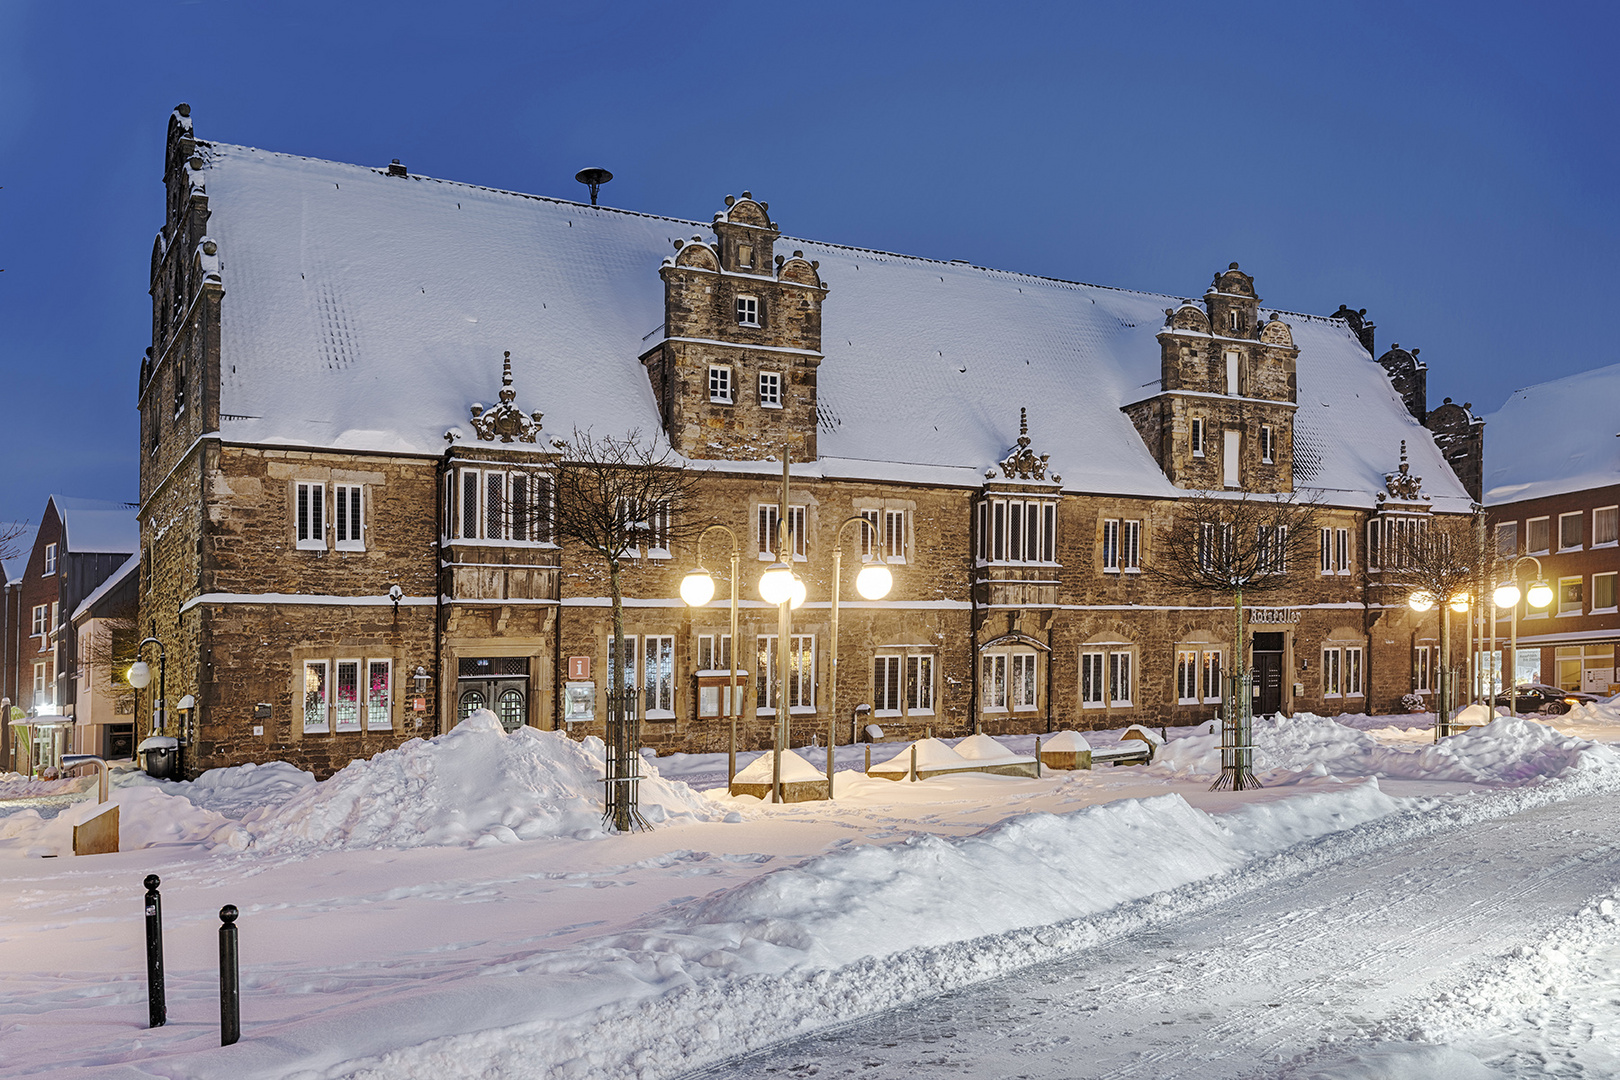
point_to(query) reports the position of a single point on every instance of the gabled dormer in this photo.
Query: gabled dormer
(735, 369)
(1224, 414)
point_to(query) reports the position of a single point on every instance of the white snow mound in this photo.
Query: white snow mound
(475, 785)
(147, 817)
(1507, 751)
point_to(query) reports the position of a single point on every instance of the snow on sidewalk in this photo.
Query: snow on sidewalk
(393, 925)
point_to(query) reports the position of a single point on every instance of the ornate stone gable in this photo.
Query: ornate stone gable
(1022, 463)
(506, 421)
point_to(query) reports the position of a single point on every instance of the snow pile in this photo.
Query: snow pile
(794, 769)
(241, 789)
(1505, 751)
(931, 754)
(147, 817)
(1066, 741)
(1594, 712)
(475, 785)
(18, 786)
(985, 750)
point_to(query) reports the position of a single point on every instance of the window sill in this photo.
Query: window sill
(1604, 611)
(749, 325)
(349, 547)
(721, 401)
(919, 712)
(887, 713)
(1025, 709)
(1121, 705)
(1091, 705)
(770, 405)
(1568, 550)
(1606, 544)
(659, 714)
(305, 545)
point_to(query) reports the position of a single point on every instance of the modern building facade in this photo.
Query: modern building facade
(1553, 492)
(345, 545)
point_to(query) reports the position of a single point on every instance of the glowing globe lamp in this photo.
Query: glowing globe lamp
(1507, 596)
(796, 597)
(1540, 594)
(697, 588)
(874, 581)
(776, 583)
(1421, 601)
(140, 676)
(1459, 602)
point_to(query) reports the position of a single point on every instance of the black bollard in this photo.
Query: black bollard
(230, 991)
(157, 1008)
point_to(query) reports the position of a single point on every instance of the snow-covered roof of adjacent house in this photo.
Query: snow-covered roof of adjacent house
(131, 565)
(15, 566)
(1555, 437)
(366, 311)
(91, 526)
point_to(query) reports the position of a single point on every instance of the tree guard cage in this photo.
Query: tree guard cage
(1237, 735)
(623, 778)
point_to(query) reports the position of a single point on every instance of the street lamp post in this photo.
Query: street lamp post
(697, 589)
(1540, 594)
(140, 677)
(780, 586)
(873, 583)
(1422, 601)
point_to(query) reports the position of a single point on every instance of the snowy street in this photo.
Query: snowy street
(453, 909)
(1331, 969)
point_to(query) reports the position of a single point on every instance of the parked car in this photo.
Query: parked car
(1538, 697)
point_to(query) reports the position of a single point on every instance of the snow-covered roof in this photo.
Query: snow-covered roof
(368, 311)
(1555, 437)
(15, 566)
(131, 565)
(94, 526)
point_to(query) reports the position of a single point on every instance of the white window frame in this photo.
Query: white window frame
(1579, 519)
(766, 519)
(1023, 682)
(1187, 676)
(658, 676)
(802, 668)
(1268, 447)
(1231, 458)
(379, 715)
(920, 684)
(1121, 677)
(1580, 607)
(894, 536)
(1130, 546)
(348, 716)
(886, 685)
(1110, 546)
(349, 517)
(1504, 530)
(1213, 668)
(318, 722)
(1423, 657)
(629, 672)
(993, 682)
(1197, 436)
(309, 515)
(770, 389)
(1354, 667)
(41, 620)
(656, 533)
(1010, 530)
(1529, 530)
(1231, 358)
(748, 308)
(1614, 591)
(42, 682)
(1341, 550)
(708, 659)
(50, 560)
(1333, 672)
(722, 386)
(1610, 522)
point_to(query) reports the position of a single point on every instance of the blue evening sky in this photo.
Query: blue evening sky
(1451, 168)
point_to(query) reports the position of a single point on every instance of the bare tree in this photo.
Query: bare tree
(1235, 547)
(1438, 559)
(10, 533)
(616, 494)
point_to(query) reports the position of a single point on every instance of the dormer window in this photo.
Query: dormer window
(747, 311)
(720, 384)
(1233, 320)
(745, 256)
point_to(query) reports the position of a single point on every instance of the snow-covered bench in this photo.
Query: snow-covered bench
(976, 754)
(1070, 750)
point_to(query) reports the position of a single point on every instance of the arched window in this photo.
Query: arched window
(511, 710)
(470, 700)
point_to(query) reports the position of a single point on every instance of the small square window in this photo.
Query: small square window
(747, 311)
(770, 389)
(720, 384)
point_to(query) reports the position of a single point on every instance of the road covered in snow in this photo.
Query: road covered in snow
(453, 909)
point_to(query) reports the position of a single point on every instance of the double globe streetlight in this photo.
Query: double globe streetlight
(781, 587)
(1539, 595)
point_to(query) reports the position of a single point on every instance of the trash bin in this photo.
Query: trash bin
(161, 756)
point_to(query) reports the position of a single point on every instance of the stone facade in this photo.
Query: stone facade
(323, 604)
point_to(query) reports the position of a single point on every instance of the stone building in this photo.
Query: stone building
(1552, 491)
(345, 546)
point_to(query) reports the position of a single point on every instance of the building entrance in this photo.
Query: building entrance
(1268, 671)
(497, 683)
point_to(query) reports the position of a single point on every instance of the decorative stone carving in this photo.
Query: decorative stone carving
(1022, 463)
(506, 421)
(1401, 483)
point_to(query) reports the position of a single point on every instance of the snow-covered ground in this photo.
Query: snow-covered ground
(453, 908)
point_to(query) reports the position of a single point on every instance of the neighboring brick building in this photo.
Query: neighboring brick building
(314, 438)
(1552, 489)
(78, 544)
